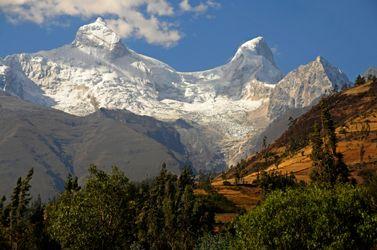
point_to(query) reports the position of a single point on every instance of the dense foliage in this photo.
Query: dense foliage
(305, 218)
(110, 212)
(170, 216)
(99, 215)
(21, 223)
(275, 180)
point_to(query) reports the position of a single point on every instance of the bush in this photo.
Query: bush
(270, 181)
(215, 242)
(227, 183)
(310, 218)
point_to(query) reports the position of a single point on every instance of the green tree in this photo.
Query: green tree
(204, 181)
(359, 80)
(275, 180)
(19, 234)
(310, 218)
(172, 217)
(316, 143)
(100, 215)
(22, 223)
(328, 164)
(3, 237)
(328, 128)
(71, 184)
(238, 175)
(186, 178)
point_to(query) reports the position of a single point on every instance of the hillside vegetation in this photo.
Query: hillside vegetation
(354, 112)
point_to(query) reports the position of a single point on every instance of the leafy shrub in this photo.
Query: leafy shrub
(215, 242)
(310, 218)
(270, 181)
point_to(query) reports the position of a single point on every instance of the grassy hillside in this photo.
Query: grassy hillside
(354, 111)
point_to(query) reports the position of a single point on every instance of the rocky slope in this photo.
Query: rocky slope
(222, 109)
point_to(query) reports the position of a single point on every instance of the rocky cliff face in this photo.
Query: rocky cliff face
(303, 86)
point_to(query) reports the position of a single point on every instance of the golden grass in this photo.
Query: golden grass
(357, 90)
(349, 144)
(243, 197)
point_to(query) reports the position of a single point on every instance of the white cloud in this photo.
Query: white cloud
(120, 27)
(200, 8)
(160, 7)
(151, 20)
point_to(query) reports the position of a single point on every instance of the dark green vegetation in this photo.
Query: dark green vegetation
(56, 144)
(109, 212)
(22, 221)
(343, 217)
(274, 180)
(328, 165)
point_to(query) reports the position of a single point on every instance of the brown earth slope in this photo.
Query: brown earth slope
(354, 111)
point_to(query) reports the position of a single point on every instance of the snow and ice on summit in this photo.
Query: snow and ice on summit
(225, 105)
(99, 39)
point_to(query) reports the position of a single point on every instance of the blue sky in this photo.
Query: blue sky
(343, 31)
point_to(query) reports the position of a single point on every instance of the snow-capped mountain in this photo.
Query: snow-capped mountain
(221, 107)
(301, 87)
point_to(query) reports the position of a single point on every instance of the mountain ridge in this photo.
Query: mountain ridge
(226, 106)
(56, 144)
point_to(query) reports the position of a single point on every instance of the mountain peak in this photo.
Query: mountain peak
(255, 47)
(100, 20)
(253, 43)
(99, 35)
(319, 59)
(334, 74)
(322, 60)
